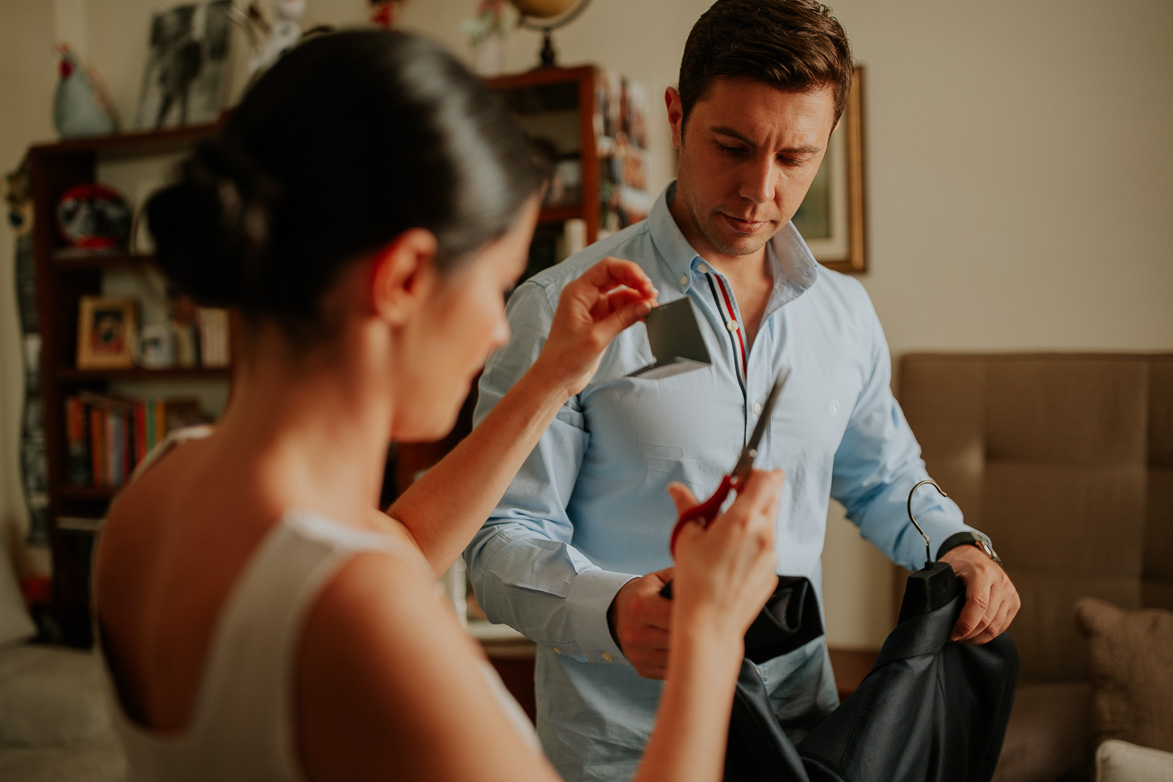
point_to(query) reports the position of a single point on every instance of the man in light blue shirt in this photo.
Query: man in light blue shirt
(576, 553)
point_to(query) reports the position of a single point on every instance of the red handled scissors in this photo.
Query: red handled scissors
(707, 510)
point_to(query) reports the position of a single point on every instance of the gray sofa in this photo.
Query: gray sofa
(54, 707)
(1066, 461)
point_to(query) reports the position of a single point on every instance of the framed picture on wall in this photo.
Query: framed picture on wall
(831, 218)
(106, 332)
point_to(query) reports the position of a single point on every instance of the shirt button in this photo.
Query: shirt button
(684, 280)
(557, 650)
(732, 325)
(757, 407)
(703, 269)
(607, 657)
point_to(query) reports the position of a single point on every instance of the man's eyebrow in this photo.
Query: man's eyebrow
(722, 130)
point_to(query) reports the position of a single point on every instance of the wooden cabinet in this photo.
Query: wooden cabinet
(557, 107)
(64, 275)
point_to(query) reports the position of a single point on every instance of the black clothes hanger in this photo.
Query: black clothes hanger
(934, 585)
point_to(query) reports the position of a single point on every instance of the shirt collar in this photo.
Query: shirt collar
(794, 267)
(676, 254)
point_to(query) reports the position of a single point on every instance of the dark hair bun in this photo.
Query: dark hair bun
(211, 228)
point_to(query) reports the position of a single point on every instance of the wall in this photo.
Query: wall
(1019, 165)
(26, 83)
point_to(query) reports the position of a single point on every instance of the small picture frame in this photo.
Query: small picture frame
(107, 331)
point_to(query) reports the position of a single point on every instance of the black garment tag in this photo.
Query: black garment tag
(676, 341)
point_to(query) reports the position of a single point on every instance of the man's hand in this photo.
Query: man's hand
(991, 601)
(640, 620)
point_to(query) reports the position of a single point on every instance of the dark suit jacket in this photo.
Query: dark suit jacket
(929, 710)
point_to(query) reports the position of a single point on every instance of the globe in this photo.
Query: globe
(548, 15)
(543, 9)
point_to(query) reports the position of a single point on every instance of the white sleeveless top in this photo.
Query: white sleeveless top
(242, 725)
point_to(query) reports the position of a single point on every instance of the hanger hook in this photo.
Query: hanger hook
(928, 543)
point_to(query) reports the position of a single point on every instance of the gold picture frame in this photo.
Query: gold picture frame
(832, 216)
(107, 332)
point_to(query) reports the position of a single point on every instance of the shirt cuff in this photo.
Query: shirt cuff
(587, 604)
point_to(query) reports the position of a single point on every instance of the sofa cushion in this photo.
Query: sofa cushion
(1130, 657)
(1119, 761)
(1049, 735)
(51, 696)
(93, 760)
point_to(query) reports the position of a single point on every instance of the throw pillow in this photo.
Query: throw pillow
(1119, 761)
(1130, 657)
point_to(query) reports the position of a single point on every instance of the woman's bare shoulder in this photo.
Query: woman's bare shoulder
(386, 674)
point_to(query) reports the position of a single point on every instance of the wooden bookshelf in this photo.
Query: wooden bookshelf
(63, 275)
(571, 92)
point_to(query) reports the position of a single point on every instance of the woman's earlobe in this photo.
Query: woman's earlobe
(404, 274)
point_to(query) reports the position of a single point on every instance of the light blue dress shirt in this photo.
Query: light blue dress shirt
(589, 509)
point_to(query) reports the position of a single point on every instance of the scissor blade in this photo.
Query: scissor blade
(750, 452)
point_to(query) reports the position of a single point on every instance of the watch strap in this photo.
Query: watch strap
(966, 537)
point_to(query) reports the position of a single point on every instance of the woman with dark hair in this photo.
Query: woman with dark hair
(364, 209)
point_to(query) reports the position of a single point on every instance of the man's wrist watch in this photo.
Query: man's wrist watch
(966, 537)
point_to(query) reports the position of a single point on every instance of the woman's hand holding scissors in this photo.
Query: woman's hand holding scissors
(726, 571)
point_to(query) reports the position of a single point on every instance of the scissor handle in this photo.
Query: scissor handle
(703, 513)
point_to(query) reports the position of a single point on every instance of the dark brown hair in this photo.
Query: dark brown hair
(793, 45)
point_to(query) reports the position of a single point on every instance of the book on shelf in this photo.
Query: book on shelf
(109, 435)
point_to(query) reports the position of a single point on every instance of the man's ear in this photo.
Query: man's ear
(404, 274)
(675, 115)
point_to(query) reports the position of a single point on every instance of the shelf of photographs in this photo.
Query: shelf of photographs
(124, 333)
(101, 310)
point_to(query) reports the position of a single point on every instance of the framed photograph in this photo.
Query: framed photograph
(106, 332)
(831, 218)
(186, 71)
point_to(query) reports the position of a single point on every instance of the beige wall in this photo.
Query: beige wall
(1019, 172)
(26, 84)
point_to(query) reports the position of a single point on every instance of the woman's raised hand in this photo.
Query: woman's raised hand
(612, 295)
(725, 572)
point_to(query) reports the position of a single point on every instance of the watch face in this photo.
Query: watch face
(93, 216)
(984, 545)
